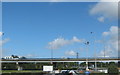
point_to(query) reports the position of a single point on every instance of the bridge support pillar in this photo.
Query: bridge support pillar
(18, 66)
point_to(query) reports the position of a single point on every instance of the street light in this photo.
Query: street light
(1, 34)
(51, 56)
(94, 52)
(87, 43)
(77, 56)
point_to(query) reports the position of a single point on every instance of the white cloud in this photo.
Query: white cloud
(1, 33)
(101, 19)
(108, 10)
(1, 44)
(75, 39)
(60, 42)
(111, 43)
(105, 33)
(30, 55)
(57, 43)
(4, 41)
(70, 53)
(113, 31)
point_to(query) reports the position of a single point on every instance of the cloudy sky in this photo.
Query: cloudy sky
(34, 29)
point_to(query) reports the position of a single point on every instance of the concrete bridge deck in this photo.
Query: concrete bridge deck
(61, 60)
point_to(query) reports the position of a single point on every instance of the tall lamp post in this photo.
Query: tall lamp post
(94, 52)
(87, 43)
(77, 56)
(1, 34)
(51, 56)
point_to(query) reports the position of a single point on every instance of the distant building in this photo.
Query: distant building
(12, 57)
(8, 57)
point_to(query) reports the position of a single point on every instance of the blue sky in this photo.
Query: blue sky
(30, 27)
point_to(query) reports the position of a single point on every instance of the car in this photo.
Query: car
(68, 72)
(65, 72)
(72, 72)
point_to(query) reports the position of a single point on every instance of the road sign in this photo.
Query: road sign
(47, 68)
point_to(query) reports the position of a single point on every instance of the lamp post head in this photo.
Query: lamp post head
(87, 43)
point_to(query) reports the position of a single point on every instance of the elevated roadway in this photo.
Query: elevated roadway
(61, 60)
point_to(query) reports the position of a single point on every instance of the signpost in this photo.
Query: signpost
(48, 68)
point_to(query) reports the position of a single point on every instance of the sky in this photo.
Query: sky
(33, 29)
